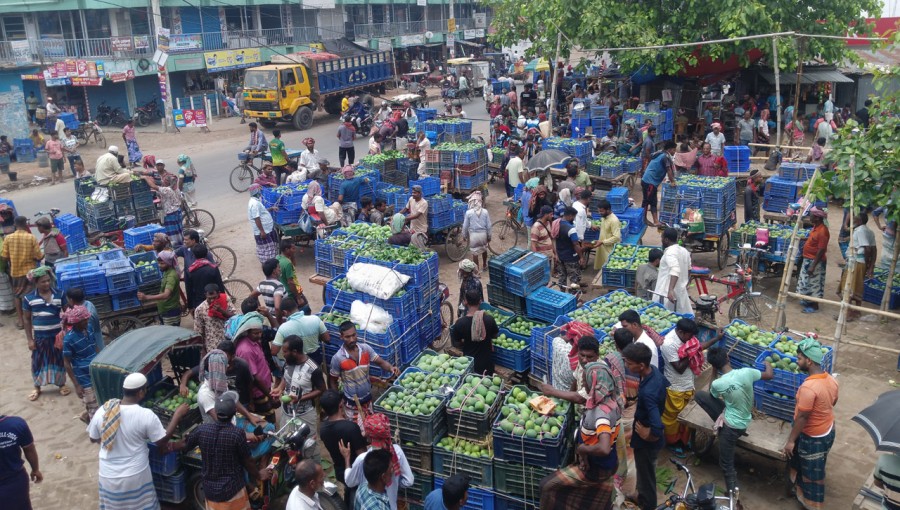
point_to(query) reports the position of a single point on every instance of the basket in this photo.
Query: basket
(120, 192)
(418, 455)
(124, 301)
(635, 218)
(740, 350)
(874, 289)
(92, 281)
(519, 479)
(165, 464)
(421, 487)
(618, 199)
(772, 405)
(544, 453)
(121, 280)
(527, 274)
(430, 185)
(171, 489)
(84, 186)
(455, 379)
(546, 304)
(478, 469)
(420, 429)
(515, 360)
(141, 235)
(785, 382)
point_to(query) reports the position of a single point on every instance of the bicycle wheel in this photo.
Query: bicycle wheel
(241, 178)
(756, 310)
(100, 139)
(225, 259)
(504, 235)
(238, 291)
(200, 219)
(722, 251)
(456, 245)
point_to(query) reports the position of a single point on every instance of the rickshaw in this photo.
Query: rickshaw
(163, 354)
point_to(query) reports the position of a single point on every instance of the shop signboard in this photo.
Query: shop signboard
(163, 81)
(74, 72)
(121, 43)
(480, 19)
(224, 60)
(162, 39)
(21, 51)
(185, 42)
(470, 34)
(142, 42)
(412, 40)
(189, 118)
(121, 76)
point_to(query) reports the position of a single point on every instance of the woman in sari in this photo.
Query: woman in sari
(588, 483)
(316, 212)
(42, 309)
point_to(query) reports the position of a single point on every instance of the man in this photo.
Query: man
(648, 147)
(609, 142)
(378, 432)
(887, 478)
(746, 129)
(860, 266)
(237, 374)
(828, 108)
(54, 149)
(350, 365)
(123, 428)
(279, 158)
(462, 334)
(630, 320)
(309, 158)
(662, 165)
(373, 495)
(200, 275)
(309, 328)
(31, 104)
(52, 242)
(812, 434)
(336, 430)
(610, 233)
(288, 276)
(588, 352)
(350, 192)
(647, 274)
(752, 194)
(716, 139)
(271, 289)
(52, 109)
(17, 439)
(212, 326)
(186, 250)
(582, 216)
(862, 115)
(674, 275)
(571, 174)
(730, 397)
(376, 215)
(22, 254)
(108, 170)
(416, 211)
(75, 297)
(515, 170)
(79, 349)
(455, 492)
(569, 249)
(707, 163)
(225, 458)
(302, 382)
(647, 439)
(888, 237)
(528, 98)
(309, 477)
(811, 279)
(257, 145)
(422, 144)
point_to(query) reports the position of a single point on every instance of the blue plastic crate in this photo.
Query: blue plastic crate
(768, 403)
(780, 188)
(618, 199)
(874, 289)
(421, 275)
(25, 154)
(478, 499)
(533, 452)
(635, 218)
(285, 217)
(141, 235)
(111, 255)
(480, 470)
(125, 301)
(718, 228)
(430, 185)
(121, 280)
(518, 361)
(171, 489)
(505, 502)
(527, 274)
(547, 304)
(470, 182)
(440, 221)
(165, 464)
(91, 280)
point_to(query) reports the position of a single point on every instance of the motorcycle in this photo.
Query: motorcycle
(107, 115)
(143, 115)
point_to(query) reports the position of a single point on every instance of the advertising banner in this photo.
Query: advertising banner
(224, 60)
(189, 118)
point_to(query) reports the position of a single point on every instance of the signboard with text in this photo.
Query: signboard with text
(189, 118)
(224, 60)
(480, 19)
(162, 39)
(185, 42)
(74, 72)
(121, 43)
(451, 25)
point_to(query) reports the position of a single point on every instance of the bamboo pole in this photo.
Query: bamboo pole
(851, 268)
(777, 93)
(889, 285)
(769, 145)
(800, 46)
(859, 308)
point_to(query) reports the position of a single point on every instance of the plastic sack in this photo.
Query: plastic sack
(370, 318)
(379, 281)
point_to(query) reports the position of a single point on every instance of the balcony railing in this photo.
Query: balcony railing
(376, 30)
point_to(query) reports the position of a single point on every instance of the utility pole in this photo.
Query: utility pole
(777, 94)
(451, 31)
(162, 70)
(800, 47)
(553, 84)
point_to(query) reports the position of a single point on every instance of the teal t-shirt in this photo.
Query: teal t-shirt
(736, 389)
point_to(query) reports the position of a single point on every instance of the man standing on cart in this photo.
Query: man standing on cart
(351, 366)
(674, 274)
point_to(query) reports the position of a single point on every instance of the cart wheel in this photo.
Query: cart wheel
(225, 260)
(701, 442)
(760, 311)
(722, 251)
(200, 219)
(238, 291)
(456, 245)
(114, 327)
(195, 491)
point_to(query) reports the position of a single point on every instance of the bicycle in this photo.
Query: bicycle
(196, 219)
(223, 257)
(90, 132)
(243, 175)
(505, 232)
(754, 308)
(691, 499)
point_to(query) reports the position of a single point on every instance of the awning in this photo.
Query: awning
(810, 77)
(469, 43)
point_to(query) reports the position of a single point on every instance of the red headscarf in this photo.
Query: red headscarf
(378, 432)
(574, 331)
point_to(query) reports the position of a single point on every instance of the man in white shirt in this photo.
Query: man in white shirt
(631, 320)
(459, 112)
(51, 107)
(677, 371)
(860, 265)
(515, 169)
(674, 275)
(123, 428)
(463, 83)
(582, 219)
(829, 109)
(108, 170)
(310, 478)
(309, 159)
(422, 144)
(716, 139)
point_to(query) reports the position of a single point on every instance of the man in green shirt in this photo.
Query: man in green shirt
(288, 276)
(279, 158)
(729, 403)
(168, 301)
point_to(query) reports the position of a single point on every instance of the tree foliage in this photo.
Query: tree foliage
(874, 152)
(590, 24)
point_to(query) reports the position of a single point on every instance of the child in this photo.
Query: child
(646, 274)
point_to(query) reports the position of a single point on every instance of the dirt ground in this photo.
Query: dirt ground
(69, 461)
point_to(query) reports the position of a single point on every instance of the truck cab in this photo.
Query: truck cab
(279, 93)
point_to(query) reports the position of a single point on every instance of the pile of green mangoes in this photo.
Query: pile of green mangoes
(460, 147)
(782, 397)
(409, 403)
(751, 334)
(626, 299)
(342, 284)
(623, 251)
(465, 447)
(519, 419)
(783, 363)
(522, 326)
(335, 317)
(498, 316)
(477, 394)
(171, 403)
(642, 254)
(444, 364)
(508, 343)
(658, 318)
(617, 263)
(368, 230)
(607, 346)
(409, 255)
(705, 182)
(425, 382)
(145, 263)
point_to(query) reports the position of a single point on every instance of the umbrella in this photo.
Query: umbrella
(882, 421)
(545, 159)
(538, 64)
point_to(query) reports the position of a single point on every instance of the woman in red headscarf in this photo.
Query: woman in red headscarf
(377, 429)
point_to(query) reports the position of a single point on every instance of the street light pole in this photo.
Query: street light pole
(162, 70)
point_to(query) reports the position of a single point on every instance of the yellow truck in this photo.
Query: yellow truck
(293, 86)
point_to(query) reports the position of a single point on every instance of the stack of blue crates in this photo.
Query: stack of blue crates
(796, 172)
(738, 158)
(423, 114)
(527, 274)
(666, 129)
(581, 117)
(715, 196)
(618, 200)
(780, 193)
(141, 235)
(72, 228)
(25, 152)
(599, 120)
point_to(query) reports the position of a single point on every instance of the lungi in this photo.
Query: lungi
(129, 492)
(570, 488)
(808, 469)
(267, 247)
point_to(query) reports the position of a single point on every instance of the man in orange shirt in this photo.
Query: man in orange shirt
(813, 432)
(811, 281)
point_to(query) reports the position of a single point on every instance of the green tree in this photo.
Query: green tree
(592, 24)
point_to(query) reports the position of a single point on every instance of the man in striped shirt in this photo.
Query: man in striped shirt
(271, 289)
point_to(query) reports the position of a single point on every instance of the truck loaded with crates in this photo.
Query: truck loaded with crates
(293, 86)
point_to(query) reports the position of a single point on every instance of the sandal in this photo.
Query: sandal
(64, 390)
(20, 326)
(34, 394)
(85, 418)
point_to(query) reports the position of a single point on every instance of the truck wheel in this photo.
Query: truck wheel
(333, 105)
(303, 119)
(368, 100)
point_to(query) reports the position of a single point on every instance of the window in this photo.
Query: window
(96, 22)
(140, 22)
(13, 27)
(287, 78)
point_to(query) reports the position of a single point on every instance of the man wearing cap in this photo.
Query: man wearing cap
(123, 428)
(108, 170)
(812, 434)
(455, 492)
(416, 211)
(309, 159)
(716, 139)
(226, 457)
(811, 280)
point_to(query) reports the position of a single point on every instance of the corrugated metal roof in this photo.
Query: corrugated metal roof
(809, 77)
(882, 58)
